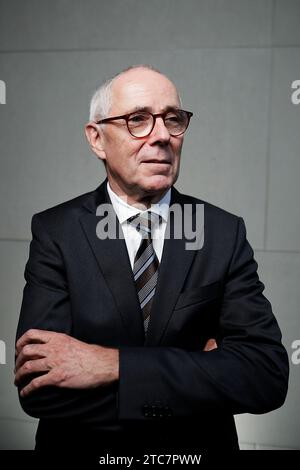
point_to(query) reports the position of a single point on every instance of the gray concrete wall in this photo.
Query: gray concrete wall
(234, 62)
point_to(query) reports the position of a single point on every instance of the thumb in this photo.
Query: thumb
(210, 345)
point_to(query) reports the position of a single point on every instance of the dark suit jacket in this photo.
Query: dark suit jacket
(171, 393)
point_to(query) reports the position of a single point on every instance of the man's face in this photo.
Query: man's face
(141, 167)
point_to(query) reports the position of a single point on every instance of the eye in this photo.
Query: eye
(175, 118)
(138, 118)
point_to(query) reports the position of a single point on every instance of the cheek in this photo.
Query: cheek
(177, 146)
(123, 154)
(134, 151)
(180, 144)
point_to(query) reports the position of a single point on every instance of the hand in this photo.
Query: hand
(210, 345)
(63, 361)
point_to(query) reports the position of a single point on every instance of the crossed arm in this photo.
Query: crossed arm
(63, 361)
(247, 372)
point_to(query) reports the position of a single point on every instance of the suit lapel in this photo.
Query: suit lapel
(174, 267)
(113, 261)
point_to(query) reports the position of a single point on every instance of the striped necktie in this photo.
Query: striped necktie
(145, 267)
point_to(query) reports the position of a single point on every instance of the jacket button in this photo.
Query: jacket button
(146, 411)
(168, 411)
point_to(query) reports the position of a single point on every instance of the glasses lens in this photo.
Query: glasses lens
(176, 122)
(140, 124)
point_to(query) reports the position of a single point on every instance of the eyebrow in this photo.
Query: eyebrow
(149, 109)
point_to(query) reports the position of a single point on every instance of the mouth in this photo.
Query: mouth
(156, 161)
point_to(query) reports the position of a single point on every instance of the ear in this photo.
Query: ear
(95, 139)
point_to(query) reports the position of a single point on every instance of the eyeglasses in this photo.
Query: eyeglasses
(141, 123)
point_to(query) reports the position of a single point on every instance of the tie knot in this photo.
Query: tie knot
(145, 221)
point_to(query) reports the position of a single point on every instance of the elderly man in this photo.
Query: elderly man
(136, 340)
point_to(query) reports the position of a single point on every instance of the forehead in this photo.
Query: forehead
(143, 88)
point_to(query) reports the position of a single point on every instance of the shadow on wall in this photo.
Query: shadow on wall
(17, 434)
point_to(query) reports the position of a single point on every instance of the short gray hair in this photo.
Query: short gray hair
(101, 100)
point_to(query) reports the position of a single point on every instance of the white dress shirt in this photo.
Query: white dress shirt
(132, 237)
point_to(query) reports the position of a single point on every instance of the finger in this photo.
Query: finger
(210, 345)
(37, 383)
(33, 336)
(29, 352)
(31, 367)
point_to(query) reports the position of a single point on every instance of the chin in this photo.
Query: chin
(158, 183)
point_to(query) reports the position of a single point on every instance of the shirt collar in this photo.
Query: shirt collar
(124, 211)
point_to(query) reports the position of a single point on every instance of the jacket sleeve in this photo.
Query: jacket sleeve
(248, 373)
(46, 305)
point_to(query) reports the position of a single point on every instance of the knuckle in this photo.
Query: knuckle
(27, 366)
(35, 383)
(27, 350)
(30, 333)
(60, 376)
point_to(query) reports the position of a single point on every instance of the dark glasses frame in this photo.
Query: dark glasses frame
(126, 117)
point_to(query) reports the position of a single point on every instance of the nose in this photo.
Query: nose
(160, 134)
